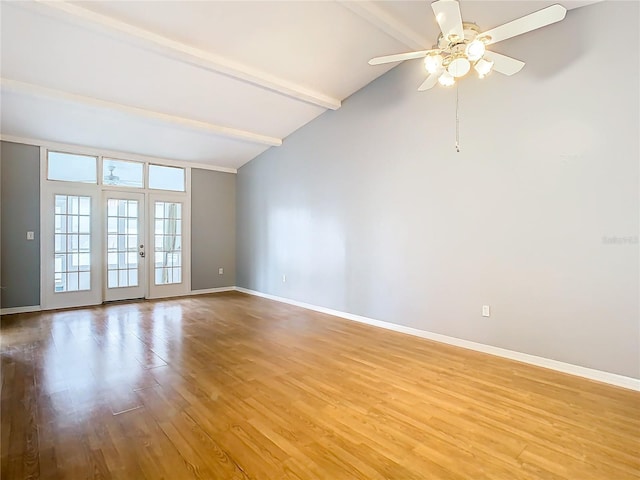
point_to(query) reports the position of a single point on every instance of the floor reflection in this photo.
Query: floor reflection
(93, 360)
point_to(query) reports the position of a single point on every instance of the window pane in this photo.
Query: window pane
(85, 206)
(73, 243)
(72, 279)
(60, 224)
(61, 204)
(132, 226)
(112, 224)
(60, 246)
(119, 172)
(133, 209)
(71, 168)
(59, 263)
(112, 279)
(122, 242)
(122, 260)
(167, 243)
(84, 224)
(112, 207)
(72, 221)
(84, 243)
(85, 280)
(166, 178)
(68, 221)
(84, 261)
(72, 262)
(73, 205)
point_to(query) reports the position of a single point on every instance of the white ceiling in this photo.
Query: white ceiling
(209, 82)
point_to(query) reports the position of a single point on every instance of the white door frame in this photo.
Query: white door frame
(49, 298)
(125, 293)
(174, 289)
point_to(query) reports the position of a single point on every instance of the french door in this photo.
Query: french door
(112, 229)
(125, 245)
(144, 252)
(108, 245)
(168, 268)
(70, 247)
(124, 272)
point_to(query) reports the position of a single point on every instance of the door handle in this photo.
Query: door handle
(141, 252)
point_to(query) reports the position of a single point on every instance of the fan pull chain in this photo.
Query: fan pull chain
(457, 122)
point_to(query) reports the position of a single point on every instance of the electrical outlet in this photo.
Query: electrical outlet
(30, 236)
(284, 279)
(221, 271)
(486, 311)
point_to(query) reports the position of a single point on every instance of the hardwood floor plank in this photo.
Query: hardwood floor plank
(231, 386)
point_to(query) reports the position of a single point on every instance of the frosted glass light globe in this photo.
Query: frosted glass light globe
(459, 67)
(432, 63)
(475, 50)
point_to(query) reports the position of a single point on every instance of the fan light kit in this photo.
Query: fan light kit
(458, 58)
(462, 46)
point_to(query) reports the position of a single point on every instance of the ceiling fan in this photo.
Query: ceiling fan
(111, 179)
(462, 46)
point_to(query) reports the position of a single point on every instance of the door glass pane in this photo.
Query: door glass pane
(119, 172)
(85, 280)
(166, 178)
(168, 243)
(122, 243)
(72, 251)
(72, 168)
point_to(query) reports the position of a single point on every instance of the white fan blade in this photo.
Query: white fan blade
(503, 64)
(447, 14)
(525, 24)
(430, 81)
(399, 57)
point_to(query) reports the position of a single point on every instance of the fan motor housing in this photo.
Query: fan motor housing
(471, 31)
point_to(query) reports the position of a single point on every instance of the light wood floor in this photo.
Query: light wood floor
(234, 386)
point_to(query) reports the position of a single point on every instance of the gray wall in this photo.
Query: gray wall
(19, 213)
(370, 210)
(213, 229)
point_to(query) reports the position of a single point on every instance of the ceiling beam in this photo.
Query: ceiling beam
(386, 23)
(234, 133)
(183, 52)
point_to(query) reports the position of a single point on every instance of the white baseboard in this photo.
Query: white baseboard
(191, 293)
(212, 290)
(12, 310)
(592, 374)
(38, 308)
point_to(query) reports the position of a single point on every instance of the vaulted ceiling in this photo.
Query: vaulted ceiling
(213, 83)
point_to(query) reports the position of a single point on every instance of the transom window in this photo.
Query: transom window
(122, 173)
(166, 178)
(72, 168)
